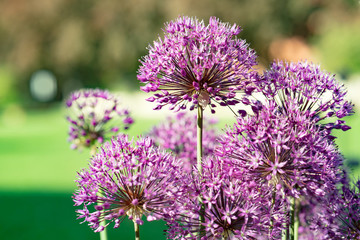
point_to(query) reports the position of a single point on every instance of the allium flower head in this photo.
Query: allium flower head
(312, 219)
(179, 135)
(350, 212)
(306, 87)
(197, 64)
(232, 208)
(127, 180)
(95, 115)
(344, 206)
(287, 151)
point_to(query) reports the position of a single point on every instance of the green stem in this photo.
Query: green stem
(285, 232)
(137, 232)
(296, 228)
(199, 164)
(295, 219)
(103, 234)
(199, 139)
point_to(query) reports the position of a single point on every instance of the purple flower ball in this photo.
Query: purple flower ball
(344, 207)
(179, 135)
(127, 180)
(231, 208)
(305, 86)
(95, 116)
(197, 64)
(289, 152)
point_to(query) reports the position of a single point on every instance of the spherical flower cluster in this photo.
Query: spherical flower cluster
(179, 135)
(287, 151)
(231, 208)
(95, 115)
(349, 212)
(344, 207)
(197, 65)
(125, 180)
(311, 90)
(313, 217)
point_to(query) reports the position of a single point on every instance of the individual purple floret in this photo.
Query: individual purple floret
(197, 65)
(127, 180)
(289, 152)
(232, 208)
(95, 116)
(312, 90)
(179, 135)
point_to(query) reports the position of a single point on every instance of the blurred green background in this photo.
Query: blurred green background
(50, 48)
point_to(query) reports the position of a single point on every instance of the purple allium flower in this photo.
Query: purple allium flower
(232, 208)
(349, 213)
(288, 151)
(312, 217)
(310, 89)
(179, 135)
(197, 64)
(125, 180)
(344, 207)
(95, 116)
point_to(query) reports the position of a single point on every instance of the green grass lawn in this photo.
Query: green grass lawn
(37, 173)
(38, 169)
(36, 156)
(39, 215)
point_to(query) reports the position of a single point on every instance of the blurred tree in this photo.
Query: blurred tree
(340, 54)
(96, 43)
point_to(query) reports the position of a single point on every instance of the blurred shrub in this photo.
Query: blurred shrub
(98, 43)
(339, 48)
(8, 92)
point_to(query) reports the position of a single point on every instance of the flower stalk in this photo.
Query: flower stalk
(199, 162)
(295, 220)
(103, 234)
(199, 139)
(137, 231)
